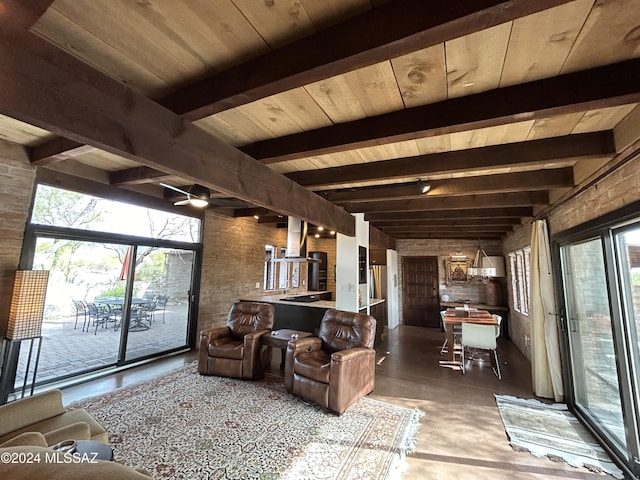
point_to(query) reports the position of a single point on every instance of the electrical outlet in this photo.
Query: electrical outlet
(527, 341)
(257, 284)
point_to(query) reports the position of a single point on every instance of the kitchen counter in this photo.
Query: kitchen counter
(305, 315)
(279, 299)
(296, 315)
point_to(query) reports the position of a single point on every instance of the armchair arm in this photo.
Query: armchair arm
(251, 361)
(206, 336)
(307, 344)
(351, 376)
(213, 333)
(350, 354)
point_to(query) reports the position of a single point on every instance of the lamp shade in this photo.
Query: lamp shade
(497, 263)
(27, 304)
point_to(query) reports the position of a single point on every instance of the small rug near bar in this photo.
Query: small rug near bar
(552, 430)
(187, 426)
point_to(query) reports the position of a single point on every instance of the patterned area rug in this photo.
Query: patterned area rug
(552, 430)
(187, 426)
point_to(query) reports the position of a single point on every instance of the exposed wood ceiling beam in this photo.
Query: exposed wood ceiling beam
(272, 219)
(56, 150)
(25, 15)
(509, 182)
(472, 222)
(400, 26)
(521, 199)
(467, 213)
(607, 86)
(252, 212)
(47, 87)
(381, 239)
(429, 229)
(532, 152)
(469, 235)
(137, 176)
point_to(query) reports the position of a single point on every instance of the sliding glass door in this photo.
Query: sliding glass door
(590, 335)
(600, 276)
(121, 282)
(160, 297)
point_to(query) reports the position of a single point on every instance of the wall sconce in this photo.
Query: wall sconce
(26, 313)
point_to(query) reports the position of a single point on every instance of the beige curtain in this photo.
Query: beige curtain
(546, 369)
(378, 291)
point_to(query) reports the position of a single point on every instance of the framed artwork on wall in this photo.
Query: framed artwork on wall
(456, 268)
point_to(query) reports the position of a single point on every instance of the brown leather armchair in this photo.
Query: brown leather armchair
(237, 350)
(336, 368)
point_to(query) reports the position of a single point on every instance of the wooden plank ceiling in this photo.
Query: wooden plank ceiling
(311, 109)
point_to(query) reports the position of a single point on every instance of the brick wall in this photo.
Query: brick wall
(16, 185)
(612, 192)
(443, 248)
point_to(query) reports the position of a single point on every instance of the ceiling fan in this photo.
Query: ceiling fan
(200, 196)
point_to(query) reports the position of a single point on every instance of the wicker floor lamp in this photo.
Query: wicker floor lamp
(26, 313)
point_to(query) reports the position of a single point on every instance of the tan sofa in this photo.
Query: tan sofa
(45, 414)
(41, 463)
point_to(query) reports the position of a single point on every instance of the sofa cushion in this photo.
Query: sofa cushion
(97, 432)
(24, 412)
(73, 431)
(59, 468)
(315, 365)
(33, 439)
(227, 347)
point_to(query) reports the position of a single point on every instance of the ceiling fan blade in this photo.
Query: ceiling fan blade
(181, 202)
(175, 189)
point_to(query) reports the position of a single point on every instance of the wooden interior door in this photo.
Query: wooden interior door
(420, 302)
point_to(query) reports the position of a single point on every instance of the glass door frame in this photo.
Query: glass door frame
(605, 229)
(35, 231)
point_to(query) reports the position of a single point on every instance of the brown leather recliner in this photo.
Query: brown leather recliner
(336, 368)
(237, 350)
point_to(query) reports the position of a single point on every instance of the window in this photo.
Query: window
(121, 284)
(520, 269)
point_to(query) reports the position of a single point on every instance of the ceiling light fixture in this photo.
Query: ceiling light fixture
(199, 202)
(257, 217)
(320, 229)
(332, 232)
(424, 186)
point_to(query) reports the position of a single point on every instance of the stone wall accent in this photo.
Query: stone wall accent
(16, 187)
(444, 248)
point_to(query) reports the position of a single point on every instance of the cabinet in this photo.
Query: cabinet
(317, 272)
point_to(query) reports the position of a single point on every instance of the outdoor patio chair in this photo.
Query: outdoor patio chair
(81, 309)
(161, 304)
(101, 315)
(143, 312)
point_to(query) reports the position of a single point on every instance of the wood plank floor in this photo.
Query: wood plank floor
(461, 435)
